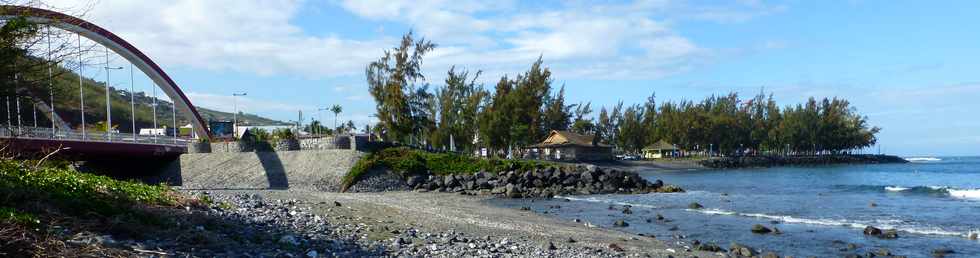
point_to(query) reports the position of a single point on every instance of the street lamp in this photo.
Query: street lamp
(81, 93)
(319, 126)
(108, 102)
(235, 100)
(132, 98)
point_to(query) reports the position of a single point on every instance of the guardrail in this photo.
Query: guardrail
(47, 133)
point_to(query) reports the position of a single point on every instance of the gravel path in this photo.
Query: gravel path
(409, 224)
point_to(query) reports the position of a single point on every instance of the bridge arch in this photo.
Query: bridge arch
(119, 46)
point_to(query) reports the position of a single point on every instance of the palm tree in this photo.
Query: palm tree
(336, 109)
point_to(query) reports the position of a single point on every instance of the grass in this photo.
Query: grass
(409, 162)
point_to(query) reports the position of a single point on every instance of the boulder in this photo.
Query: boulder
(695, 206)
(973, 236)
(889, 234)
(513, 191)
(709, 247)
(872, 231)
(621, 223)
(736, 249)
(415, 181)
(587, 177)
(760, 229)
(660, 217)
(941, 252)
(770, 255)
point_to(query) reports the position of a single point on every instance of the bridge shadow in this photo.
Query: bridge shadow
(275, 172)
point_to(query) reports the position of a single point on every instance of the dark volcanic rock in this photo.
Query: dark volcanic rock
(695, 206)
(760, 229)
(872, 231)
(621, 223)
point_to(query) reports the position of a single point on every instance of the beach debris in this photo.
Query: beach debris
(695, 206)
(760, 229)
(621, 223)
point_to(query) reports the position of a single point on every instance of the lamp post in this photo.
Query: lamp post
(81, 92)
(108, 101)
(132, 98)
(235, 96)
(319, 126)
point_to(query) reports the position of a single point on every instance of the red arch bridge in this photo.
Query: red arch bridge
(20, 136)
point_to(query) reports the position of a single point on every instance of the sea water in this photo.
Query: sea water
(933, 202)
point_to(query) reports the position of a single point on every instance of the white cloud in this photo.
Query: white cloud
(577, 39)
(238, 35)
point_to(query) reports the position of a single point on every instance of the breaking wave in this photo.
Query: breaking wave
(923, 159)
(888, 224)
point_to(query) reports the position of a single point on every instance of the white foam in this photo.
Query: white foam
(895, 188)
(597, 200)
(973, 194)
(884, 223)
(923, 159)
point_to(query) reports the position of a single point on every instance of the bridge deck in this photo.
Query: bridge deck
(92, 145)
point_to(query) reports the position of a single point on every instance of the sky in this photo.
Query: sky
(910, 66)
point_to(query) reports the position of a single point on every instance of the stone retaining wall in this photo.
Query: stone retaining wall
(306, 170)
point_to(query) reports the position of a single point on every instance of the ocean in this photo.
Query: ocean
(933, 202)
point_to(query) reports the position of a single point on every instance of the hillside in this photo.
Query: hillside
(67, 106)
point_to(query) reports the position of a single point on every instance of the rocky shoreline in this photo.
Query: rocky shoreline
(773, 161)
(537, 183)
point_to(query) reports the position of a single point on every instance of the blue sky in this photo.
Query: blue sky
(911, 66)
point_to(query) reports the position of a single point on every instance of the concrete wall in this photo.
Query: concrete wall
(307, 170)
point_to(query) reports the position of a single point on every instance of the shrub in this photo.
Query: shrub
(283, 134)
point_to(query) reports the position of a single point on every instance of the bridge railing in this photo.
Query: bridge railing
(47, 133)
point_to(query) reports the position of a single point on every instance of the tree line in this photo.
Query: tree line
(520, 111)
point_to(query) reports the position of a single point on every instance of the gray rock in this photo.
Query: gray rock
(288, 240)
(695, 206)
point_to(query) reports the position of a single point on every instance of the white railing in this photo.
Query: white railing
(47, 133)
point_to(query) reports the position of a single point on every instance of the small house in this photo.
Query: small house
(569, 146)
(660, 149)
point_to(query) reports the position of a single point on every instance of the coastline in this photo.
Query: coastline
(385, 216)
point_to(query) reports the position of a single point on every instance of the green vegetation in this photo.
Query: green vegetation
(75, 192)
(521, 110)
(410, 162)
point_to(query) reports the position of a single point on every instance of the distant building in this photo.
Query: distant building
(153, 131)
(569, 146)
(660, 149)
